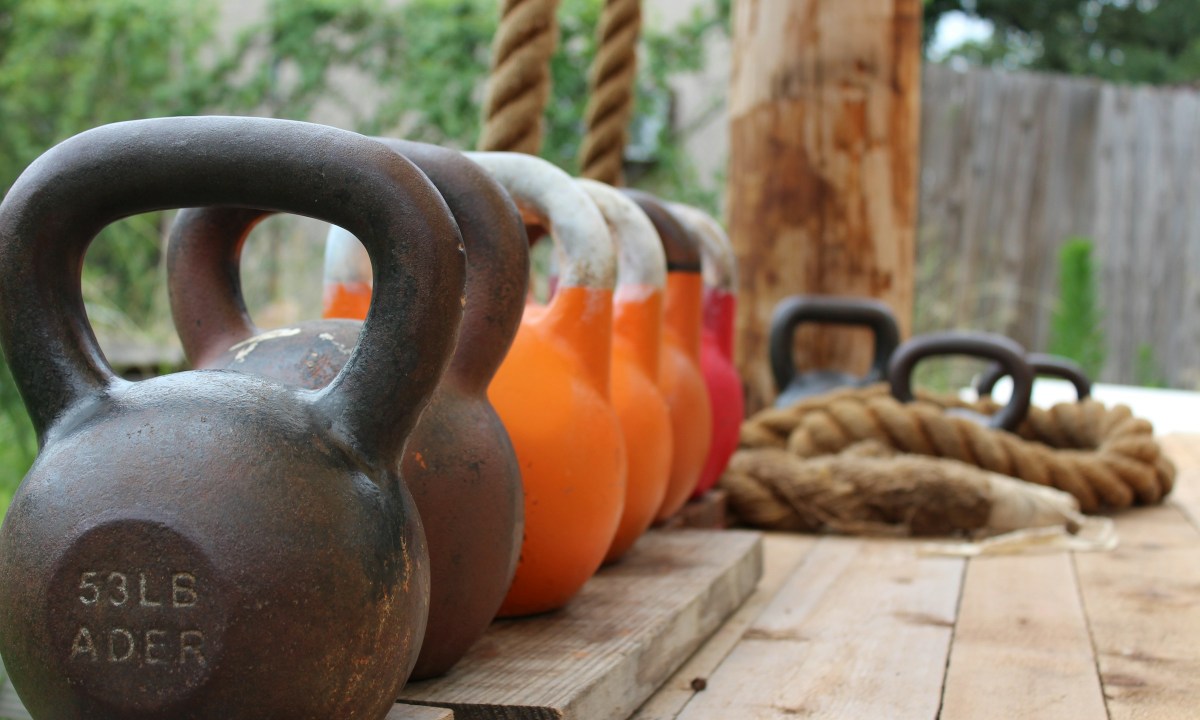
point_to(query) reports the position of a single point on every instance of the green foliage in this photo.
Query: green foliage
(1075, 325)
(1150, 41)
(1147, 372)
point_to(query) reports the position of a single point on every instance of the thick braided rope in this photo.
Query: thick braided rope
(612, 80)
(1104, 457)
(519, 86)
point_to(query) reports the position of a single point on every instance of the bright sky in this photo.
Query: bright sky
(955, 28)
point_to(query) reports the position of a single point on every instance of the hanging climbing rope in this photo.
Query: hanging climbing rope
(612, 81)
(519, 84)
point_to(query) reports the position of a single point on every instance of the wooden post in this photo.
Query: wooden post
(824, 112)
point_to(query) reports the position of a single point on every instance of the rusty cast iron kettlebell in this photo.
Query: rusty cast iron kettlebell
(1043, 365)
(211, 544)
(716, 342)
(459, 463)
(986, 346)
(553, 393)
(797, 310)
(636, 361)
(682, 379)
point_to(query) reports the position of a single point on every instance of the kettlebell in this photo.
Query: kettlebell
(636, 359)
(682, 379)
(797, 310)
(209, 544)
(986, 346)
(553, 393)
(716, 340)
(1043, 365)
(459, 463)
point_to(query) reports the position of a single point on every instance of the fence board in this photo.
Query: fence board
(1014, 164)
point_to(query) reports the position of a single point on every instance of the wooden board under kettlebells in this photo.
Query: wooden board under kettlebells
(630, 628)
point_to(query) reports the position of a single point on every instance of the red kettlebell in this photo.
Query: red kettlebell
(716, 343)
(459, 462)
(215, 545)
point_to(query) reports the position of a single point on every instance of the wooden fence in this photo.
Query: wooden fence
(1013, 164)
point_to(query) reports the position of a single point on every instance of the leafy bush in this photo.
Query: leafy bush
(1076, 323)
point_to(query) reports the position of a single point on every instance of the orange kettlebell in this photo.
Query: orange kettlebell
(682, 380)
(636, 357)
(552, 392)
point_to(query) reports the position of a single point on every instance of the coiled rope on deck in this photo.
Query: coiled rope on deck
(611, 80)
(1104, 457)
(519, 85)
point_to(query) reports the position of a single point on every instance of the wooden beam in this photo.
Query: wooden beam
(824, 112)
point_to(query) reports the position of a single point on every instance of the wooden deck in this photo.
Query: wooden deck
(855, 628)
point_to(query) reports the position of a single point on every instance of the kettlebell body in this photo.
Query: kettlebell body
(636, 362)
(682, 379)
(797, 310)
(209, 544)
(716, 341)
(459, 463)
(553, 393)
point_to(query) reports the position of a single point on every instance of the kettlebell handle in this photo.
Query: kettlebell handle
(987, 346)
(210, 310)
(1044, 365)
(548, 197)
(75, 189)
(682, 249)
(719, 266)
(641, 261)
(797, 310)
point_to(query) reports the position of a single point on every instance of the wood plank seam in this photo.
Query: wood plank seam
(1091, 633)
(962, 584)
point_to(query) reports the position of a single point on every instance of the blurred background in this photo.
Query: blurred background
(1058, 150)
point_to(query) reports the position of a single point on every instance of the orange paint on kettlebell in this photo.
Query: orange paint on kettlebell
(346, 300)
(684, 387)
(552, 394)
(682, 380)
(637, 343)
(643, 413)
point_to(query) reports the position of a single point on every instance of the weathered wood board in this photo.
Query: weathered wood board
(630, 628)
(782, 553)
(857, 621)
(1143, 608)
(1021, 645)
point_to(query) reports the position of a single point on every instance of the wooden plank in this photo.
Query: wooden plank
(707, 512)
(1142, 602)
(862, 629)
(415, 712)
(1021, 644)
(633, 625)
(782, 554)
(12, 709)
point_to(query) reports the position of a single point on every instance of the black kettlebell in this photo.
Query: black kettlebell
(1043, 365)
(211, 544)
(797, 310)
(1005, 351)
